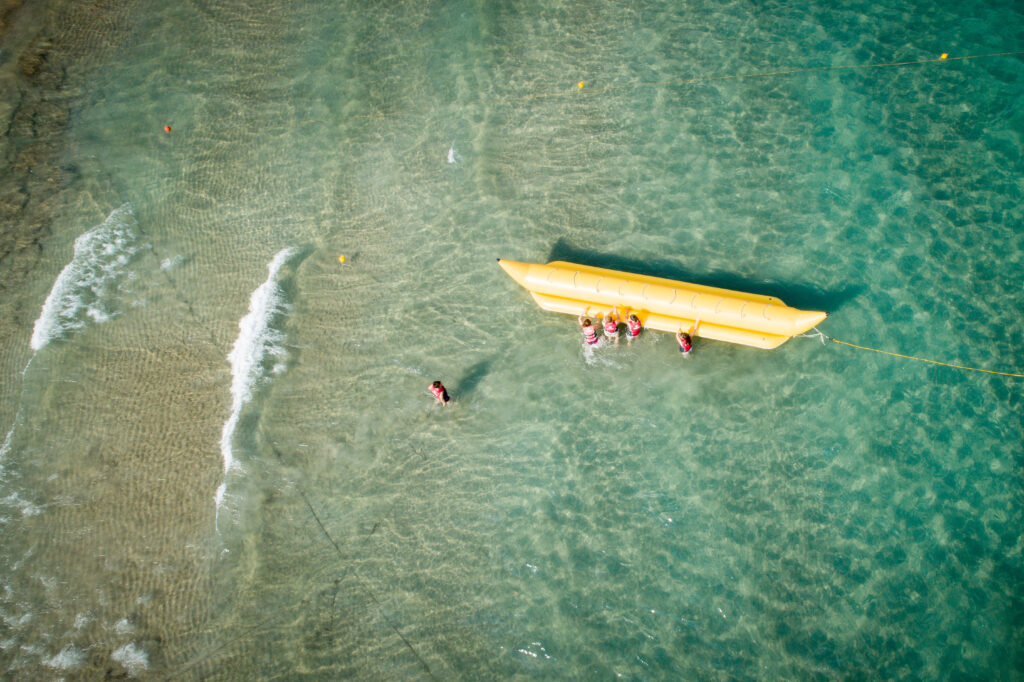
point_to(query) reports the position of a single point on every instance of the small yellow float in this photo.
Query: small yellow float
(663, 304)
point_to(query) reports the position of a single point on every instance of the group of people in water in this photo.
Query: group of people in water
(610, 324)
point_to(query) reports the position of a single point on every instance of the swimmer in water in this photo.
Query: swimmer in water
(611, 325)
(633, 328)
(440, 392)
(685, 342)
(589, 332)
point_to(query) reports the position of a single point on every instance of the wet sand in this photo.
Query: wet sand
(126, 510)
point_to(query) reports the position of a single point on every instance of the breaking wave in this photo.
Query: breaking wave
(258, 342)
(133, 658)
(69, 658)
(88, 287)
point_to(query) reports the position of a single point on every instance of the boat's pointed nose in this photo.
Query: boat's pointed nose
(808, 319)
(515, 270)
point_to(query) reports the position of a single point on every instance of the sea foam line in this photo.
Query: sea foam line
(256, 341)
(87, 286)
(132, 657)
(6, 447)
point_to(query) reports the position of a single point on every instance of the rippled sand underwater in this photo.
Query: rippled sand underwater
(221, 459)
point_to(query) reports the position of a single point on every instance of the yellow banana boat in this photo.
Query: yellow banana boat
(663, 304)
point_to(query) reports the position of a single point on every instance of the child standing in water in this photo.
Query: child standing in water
(611, 324)
(589, 332)
(633, 327)
(440, 392)
(685, 342)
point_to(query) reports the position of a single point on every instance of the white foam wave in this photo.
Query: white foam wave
(453, 156)
(69, 658)
(598, 354)
(171, 263)
(27, 508)
(87, 287)
(6, 447)
(16, 622)
(134, 659)
(257, 341)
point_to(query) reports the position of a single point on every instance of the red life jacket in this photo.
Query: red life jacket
(438, 392)
(685, 345)
(611, 327)
(634, 327)
(590, 334)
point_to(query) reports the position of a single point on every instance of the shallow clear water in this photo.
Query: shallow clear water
(813, 511)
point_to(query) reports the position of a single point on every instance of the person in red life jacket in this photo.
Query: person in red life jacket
(440, 392)
(589, 332)
(633, 327)
(685, 342)
(611, 324)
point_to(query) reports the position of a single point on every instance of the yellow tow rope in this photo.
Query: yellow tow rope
(824, 336)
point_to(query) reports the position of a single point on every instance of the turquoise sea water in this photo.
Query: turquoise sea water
(177, 328)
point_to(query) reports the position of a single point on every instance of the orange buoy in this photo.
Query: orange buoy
(167, 129)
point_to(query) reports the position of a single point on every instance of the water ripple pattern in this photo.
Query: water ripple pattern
(814, 512)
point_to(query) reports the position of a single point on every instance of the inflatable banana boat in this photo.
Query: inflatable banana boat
(663, 304)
